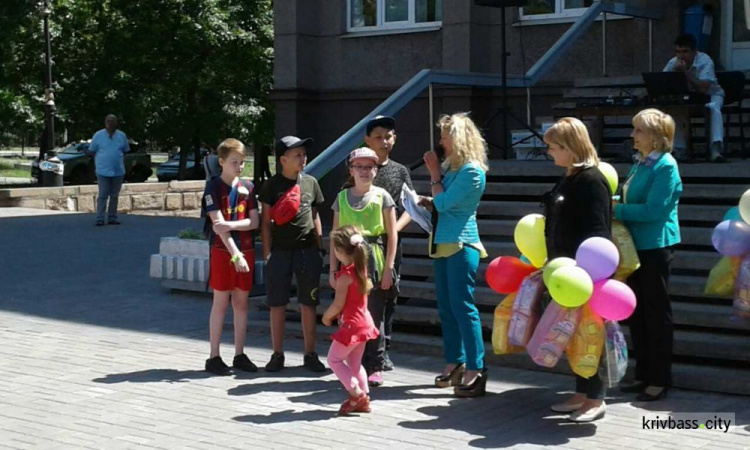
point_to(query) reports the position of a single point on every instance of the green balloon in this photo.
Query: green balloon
(610, 174)
(554, 265)
(570, 286)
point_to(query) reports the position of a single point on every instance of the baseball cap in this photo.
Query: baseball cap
(389, 123)
(290, 142)
(363, 153)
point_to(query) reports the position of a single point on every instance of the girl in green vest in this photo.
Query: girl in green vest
(371, 209)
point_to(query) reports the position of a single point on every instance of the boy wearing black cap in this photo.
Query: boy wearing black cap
(292, 243)
(392, 176)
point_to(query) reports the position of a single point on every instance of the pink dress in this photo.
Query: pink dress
(355, 322)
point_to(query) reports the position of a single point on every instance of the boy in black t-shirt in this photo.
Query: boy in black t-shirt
(292, 246)
(392, 176)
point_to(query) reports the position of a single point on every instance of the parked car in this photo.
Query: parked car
(80, 168)
(168, 171)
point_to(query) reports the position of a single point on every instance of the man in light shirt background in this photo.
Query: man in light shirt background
(701, 78)
(109, 146)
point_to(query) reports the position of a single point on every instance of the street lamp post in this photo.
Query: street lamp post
(49, 93)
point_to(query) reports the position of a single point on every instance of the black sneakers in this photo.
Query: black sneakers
(216, 366)
(276, 363)
(387, 363)
(313, 363)
(242, 362)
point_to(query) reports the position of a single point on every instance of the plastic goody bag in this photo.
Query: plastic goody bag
(585, 348)
(552, 334)
(615, 355)
(722, 278)
(501, 325)
(526, 309)
(742, 290)
(629, 261)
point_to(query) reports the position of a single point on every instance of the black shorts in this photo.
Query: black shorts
(305, 265)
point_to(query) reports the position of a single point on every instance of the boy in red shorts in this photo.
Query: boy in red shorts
(232, 208)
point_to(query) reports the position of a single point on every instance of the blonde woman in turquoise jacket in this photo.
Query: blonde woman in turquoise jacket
(457, 250)
(649, 210)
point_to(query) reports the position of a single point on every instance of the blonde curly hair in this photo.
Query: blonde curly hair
(468, 143)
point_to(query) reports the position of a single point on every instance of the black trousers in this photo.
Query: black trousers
(651, 325)
(593, 387)
(390, 306)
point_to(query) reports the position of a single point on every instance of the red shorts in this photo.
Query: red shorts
(223, 275)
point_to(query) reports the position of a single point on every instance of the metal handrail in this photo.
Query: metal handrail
(338, 150)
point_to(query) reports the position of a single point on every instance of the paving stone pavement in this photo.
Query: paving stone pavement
(94, 354)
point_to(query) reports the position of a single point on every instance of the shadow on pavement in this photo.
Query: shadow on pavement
(288, 416)
(64, 268)
(515, 420)
(154, 376)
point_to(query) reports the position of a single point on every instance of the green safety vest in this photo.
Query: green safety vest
(369, 219)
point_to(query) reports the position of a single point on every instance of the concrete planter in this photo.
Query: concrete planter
(183, 264)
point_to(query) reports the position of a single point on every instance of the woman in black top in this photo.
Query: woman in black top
(578, 208)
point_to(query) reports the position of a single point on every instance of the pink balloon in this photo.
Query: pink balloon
(612, 300)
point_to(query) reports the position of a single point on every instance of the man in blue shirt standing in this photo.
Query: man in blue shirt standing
(108, 146)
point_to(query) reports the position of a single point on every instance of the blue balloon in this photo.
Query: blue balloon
(526, 260)
(733, 214)
(731, 238)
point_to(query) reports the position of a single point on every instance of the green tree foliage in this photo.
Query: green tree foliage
(176, 72)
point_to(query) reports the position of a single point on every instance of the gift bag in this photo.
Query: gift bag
(615, 361)
(629, 261)
(722, 278)
(742, 290)
(556, 326)
(527, 308)
(501, 325)
(587, 344)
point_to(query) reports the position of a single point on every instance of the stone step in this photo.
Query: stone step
(709, 192)
(684, 259)
(711, 315)
(738, 170)
(713, 214)
(686, 376)
(702, 344)
(504, 228)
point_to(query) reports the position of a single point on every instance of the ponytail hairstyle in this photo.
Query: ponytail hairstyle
(349, 241)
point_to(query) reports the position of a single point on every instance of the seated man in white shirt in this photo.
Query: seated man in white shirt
(699, 69)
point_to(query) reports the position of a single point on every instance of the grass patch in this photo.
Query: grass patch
(15, 173)
(190, 233)
(8, 170)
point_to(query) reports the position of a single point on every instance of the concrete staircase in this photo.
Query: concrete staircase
(712, 346)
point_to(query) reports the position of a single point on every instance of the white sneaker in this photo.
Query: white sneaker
(590, 415)
(565, 407)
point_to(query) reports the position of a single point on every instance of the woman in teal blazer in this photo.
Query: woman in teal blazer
(649, 210)
(457, 250)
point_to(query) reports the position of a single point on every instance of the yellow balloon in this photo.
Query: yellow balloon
(745, 206)
(529, 237)
(610, 174)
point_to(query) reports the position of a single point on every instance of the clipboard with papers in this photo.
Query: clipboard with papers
(419, 214)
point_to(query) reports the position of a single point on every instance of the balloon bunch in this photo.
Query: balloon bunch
(731, 275)
(572, 283)
(582, 320)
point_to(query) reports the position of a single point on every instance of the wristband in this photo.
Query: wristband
(236, 257)
(433, 183)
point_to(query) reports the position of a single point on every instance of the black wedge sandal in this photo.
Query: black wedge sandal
(454, 378)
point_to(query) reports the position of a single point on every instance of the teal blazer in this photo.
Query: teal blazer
(457, 205)
(649, 207)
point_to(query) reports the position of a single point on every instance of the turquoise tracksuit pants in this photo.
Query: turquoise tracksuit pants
(455, 278)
